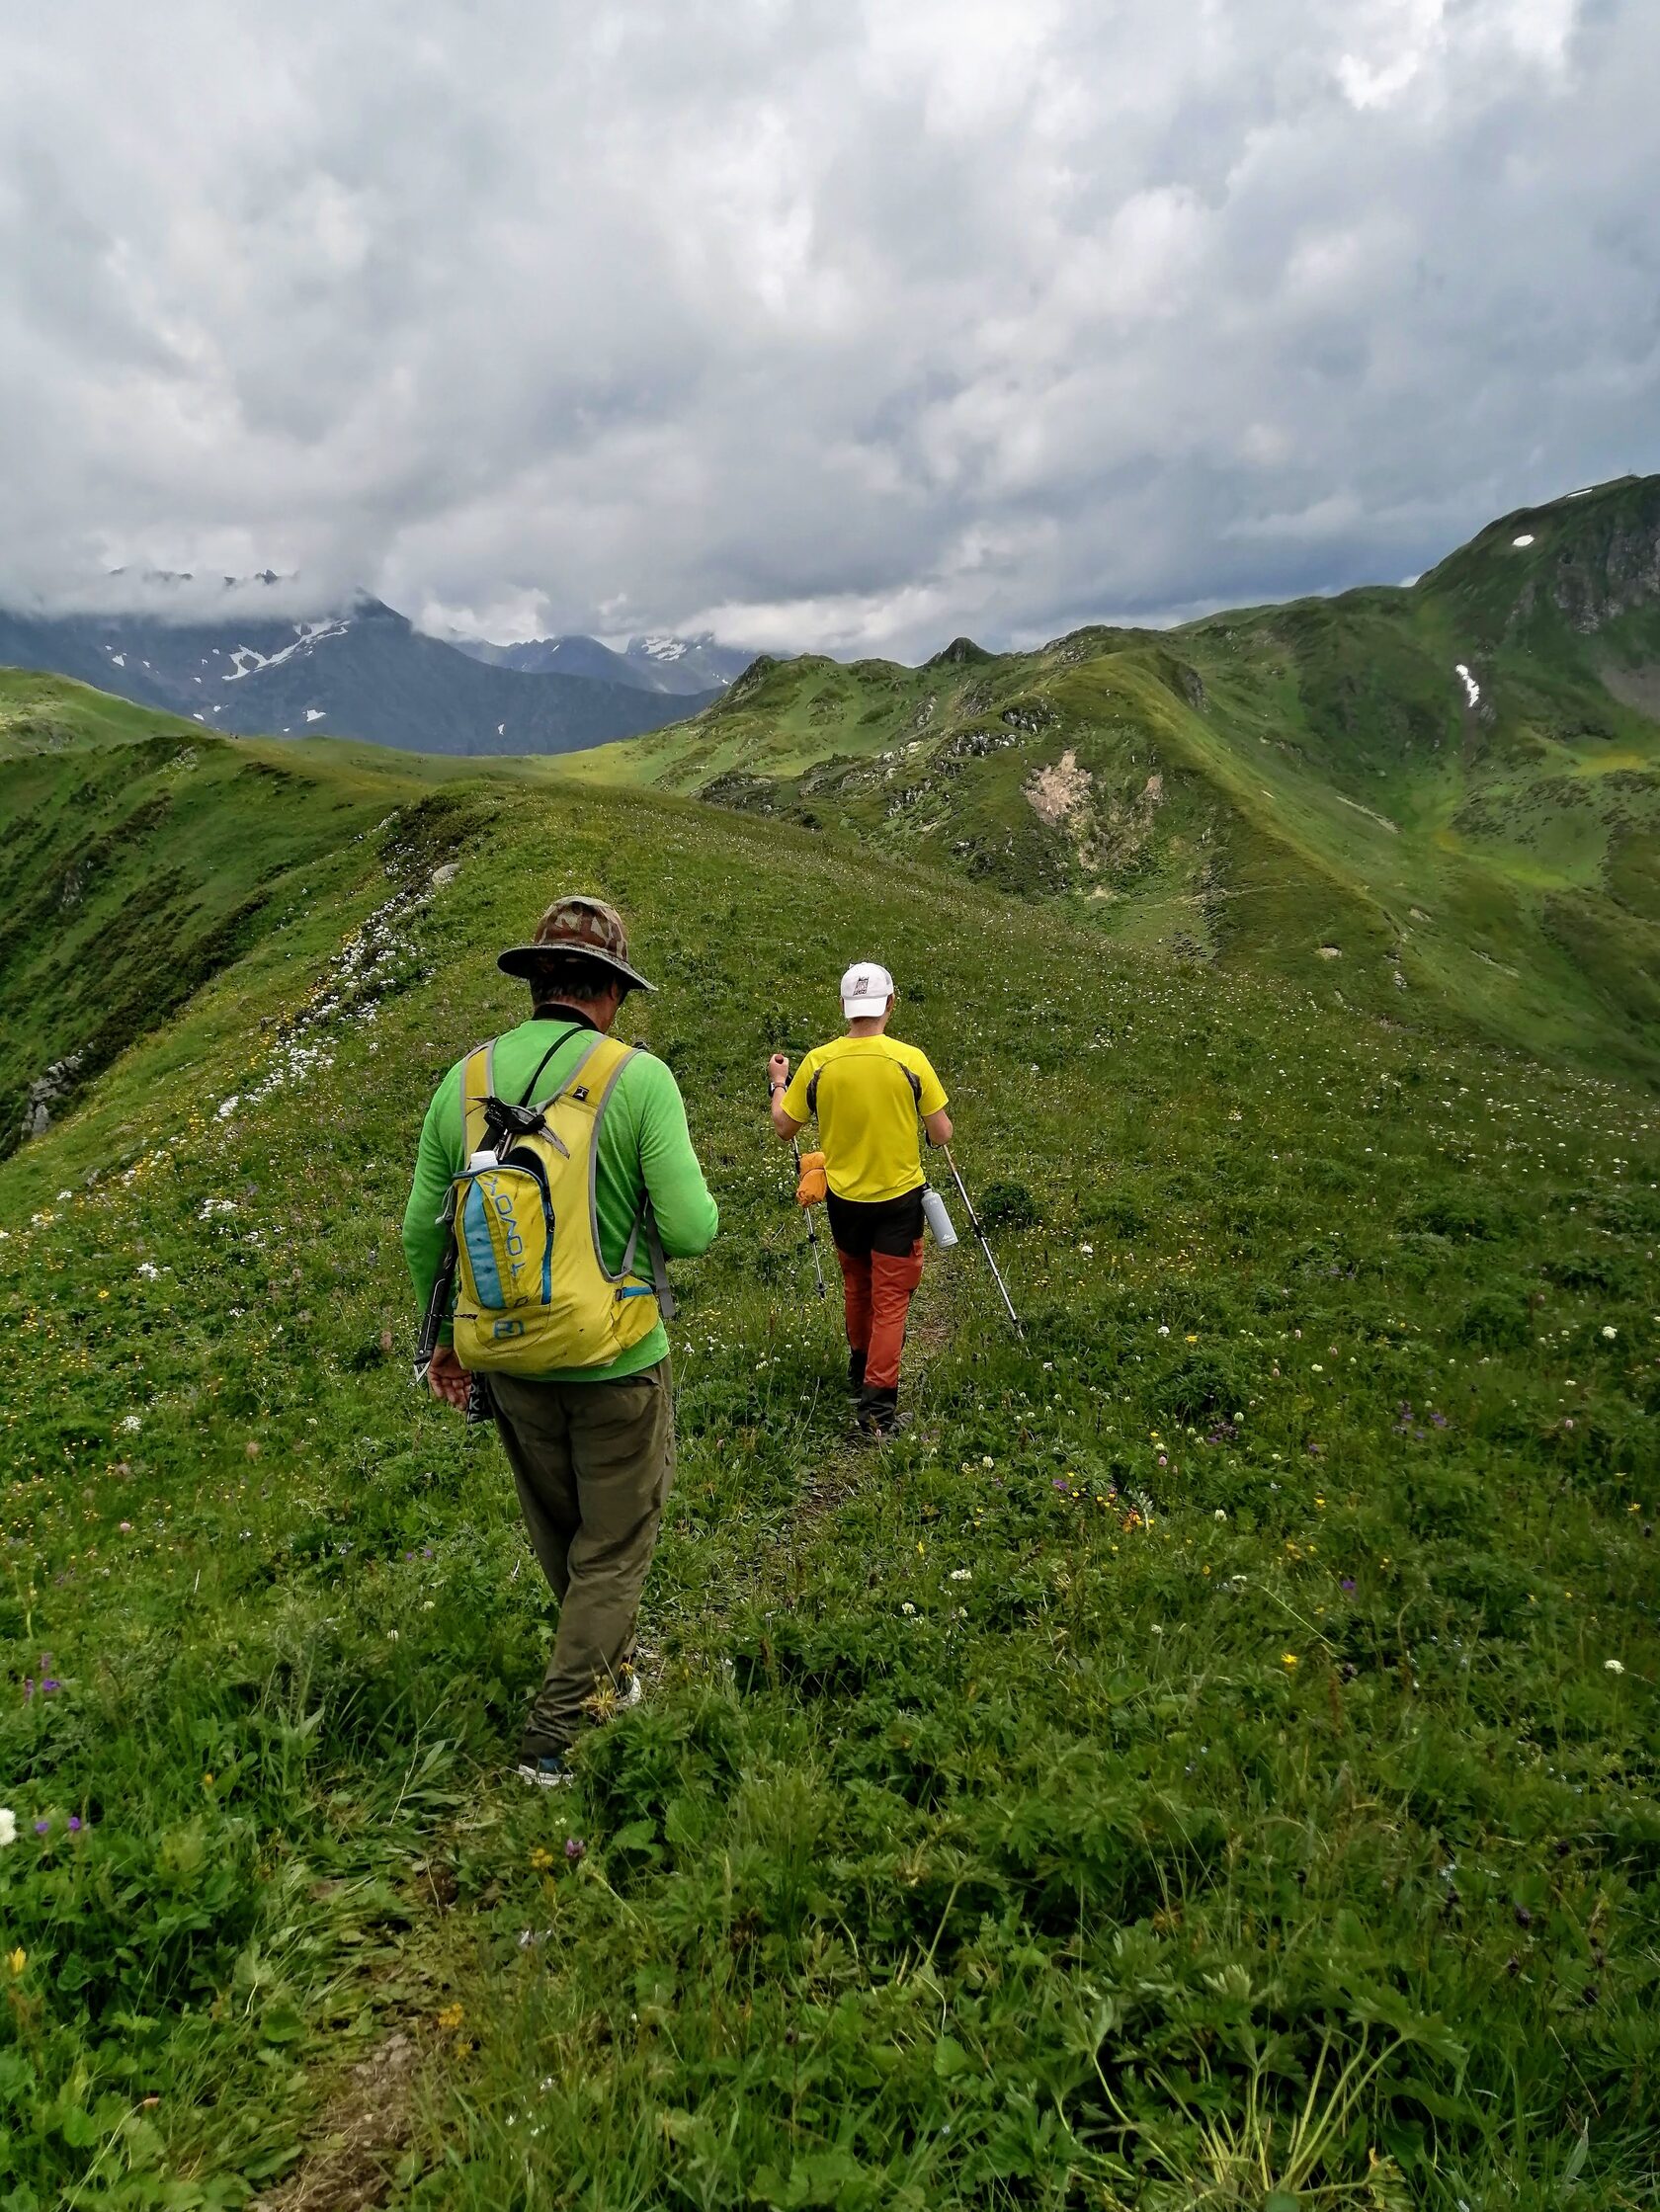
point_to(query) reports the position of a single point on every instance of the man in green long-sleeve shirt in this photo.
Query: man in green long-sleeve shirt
(592, 1448)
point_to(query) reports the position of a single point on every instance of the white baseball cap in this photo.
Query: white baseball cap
(867, 988)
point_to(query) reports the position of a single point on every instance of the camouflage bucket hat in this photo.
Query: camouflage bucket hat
(575, 924)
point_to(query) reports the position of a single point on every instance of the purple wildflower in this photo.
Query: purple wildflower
(74, 1824)
(43, 1827)
(1348, 1584)
(576, 1849)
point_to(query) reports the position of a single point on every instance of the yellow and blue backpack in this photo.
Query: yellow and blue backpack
(533, 1292)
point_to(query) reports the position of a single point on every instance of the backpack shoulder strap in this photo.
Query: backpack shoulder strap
(607, 1060)
(477, 1082)
(594, 1070)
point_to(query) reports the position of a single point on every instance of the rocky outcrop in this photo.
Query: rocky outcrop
(47, 1093)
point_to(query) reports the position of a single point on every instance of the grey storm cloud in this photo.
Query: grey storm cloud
(811, 322)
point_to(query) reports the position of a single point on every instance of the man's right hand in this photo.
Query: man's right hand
(448, 1379)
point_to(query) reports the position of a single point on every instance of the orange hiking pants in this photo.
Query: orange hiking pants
(876, 1290)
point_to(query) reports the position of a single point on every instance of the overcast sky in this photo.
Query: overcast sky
(811, 322)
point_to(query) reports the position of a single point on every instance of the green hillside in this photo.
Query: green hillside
(140, 856)
(1307, 789)
(1210, 1760)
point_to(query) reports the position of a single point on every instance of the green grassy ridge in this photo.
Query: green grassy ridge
(1318, 779)
(140, 855)
(40, 713)
(1008, 1811)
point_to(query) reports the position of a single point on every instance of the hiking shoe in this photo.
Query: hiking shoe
(552, 1771)
(879, 1409)
(878, 1420)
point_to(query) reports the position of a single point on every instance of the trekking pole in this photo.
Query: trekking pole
(974, 1224)
(437, 1311)
(812, 1226)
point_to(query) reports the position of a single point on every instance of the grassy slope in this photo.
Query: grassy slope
(1269, 783)
(1207, 1697)
(140, 855)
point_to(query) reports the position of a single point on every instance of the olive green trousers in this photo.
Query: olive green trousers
(593, 1463)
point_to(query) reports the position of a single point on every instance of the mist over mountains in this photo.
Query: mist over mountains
(369, 673)
(681, 666)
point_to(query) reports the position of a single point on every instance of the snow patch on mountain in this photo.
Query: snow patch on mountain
(247, 662)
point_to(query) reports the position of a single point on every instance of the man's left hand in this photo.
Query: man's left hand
(778, 1070)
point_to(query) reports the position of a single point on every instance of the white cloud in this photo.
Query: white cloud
(818, 325)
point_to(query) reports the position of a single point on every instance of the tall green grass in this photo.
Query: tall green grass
(1211, 1758)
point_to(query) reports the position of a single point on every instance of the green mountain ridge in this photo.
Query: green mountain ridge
(1312, 789)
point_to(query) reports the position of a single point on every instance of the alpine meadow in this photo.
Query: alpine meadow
(1209, 1758)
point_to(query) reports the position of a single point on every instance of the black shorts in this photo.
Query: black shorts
(888, 1225)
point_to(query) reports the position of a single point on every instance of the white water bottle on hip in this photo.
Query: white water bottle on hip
(937, 1219)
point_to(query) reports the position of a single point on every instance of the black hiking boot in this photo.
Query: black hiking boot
(877, 1415)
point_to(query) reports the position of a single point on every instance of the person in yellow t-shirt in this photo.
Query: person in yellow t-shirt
(866, 1091)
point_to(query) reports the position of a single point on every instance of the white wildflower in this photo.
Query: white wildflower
(8, 1825)
(963, 1573)
(227, 1106)
(1613, 1667)
(148, 1271)
(1609, 1330)
(130, 1426)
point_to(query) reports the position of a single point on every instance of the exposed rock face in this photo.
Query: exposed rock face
(46, 1093)
(1593, 584)
(1059, 793)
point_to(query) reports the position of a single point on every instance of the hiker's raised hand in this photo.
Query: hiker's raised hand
(777, 1069)
(448, 1379)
